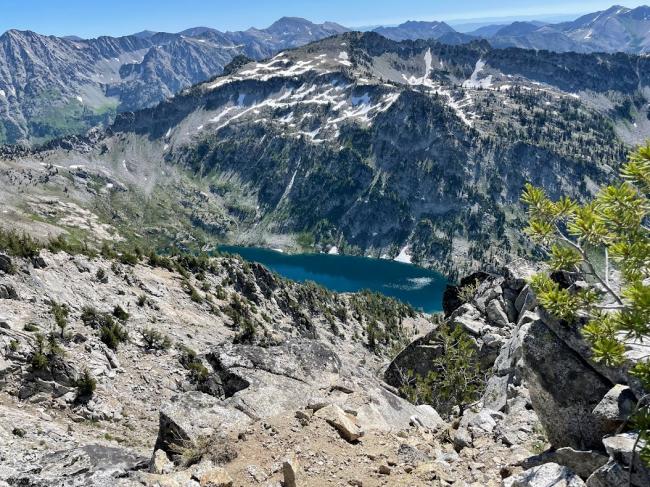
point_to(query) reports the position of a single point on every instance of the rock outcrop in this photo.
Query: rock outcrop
(547, 475)
(564, 389)
(541, 378)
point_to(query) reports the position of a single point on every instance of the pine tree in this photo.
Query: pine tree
(606, 240)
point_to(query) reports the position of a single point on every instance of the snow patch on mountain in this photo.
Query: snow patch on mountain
(404, 256)
(474, 82)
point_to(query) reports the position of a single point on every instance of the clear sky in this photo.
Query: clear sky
(90, 18)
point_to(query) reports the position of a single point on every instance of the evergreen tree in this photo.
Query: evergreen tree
(607, 241)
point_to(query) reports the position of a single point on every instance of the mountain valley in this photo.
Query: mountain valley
(372, 146)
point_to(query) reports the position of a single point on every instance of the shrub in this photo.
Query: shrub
(142, 300)
(187, 354)
(156, 260)
(198, 373)
(467, 292)
(112, 335)
(46, 352)
(154, 340)
(612, 227)
(194, 294)
(60, 313)
(95, 319)
(61, 244)
(18, 245)
(242, 318)
(14, 345)
(54, 348)
(214, 448)
(101, 276)
(107, 252)
(86, 384)
(120, 313)
(246, 332)
(128, 258)
(220, 293)
(31, 327)
(455, 380)
(39, 361)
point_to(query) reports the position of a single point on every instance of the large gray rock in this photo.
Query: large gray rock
(417, 358)
(507, 369)
(471, 325)
(89, 465)
(574, 339)
(487, 291)
(345, 424)
(564, 390)
(471, 319)
(617, 405)
(496, 314)
(547, 475)
(584, 463)
(160, 463)
(616, 472)
(191, 416)
(268, 381)
(526, 301)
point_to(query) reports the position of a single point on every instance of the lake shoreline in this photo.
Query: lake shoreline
(420, 287)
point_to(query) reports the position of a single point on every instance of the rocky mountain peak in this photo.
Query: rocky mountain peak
(639, 13)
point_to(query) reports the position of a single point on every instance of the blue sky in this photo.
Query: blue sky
(90, 18)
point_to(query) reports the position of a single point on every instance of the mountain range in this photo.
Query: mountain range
(617, 29)
(357, 144)
(52, 87)
(136, 351)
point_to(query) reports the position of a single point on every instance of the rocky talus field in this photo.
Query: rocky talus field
(123, 369)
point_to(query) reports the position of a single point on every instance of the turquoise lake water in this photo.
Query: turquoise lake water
(419, 287)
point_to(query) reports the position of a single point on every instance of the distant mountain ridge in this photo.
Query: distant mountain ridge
(617, 29)
(52, 86)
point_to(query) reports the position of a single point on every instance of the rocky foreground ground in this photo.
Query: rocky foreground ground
(219, 373)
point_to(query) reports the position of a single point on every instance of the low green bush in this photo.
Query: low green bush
(86, 384)
(113, 335)
(154, 340)
(456, 379)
